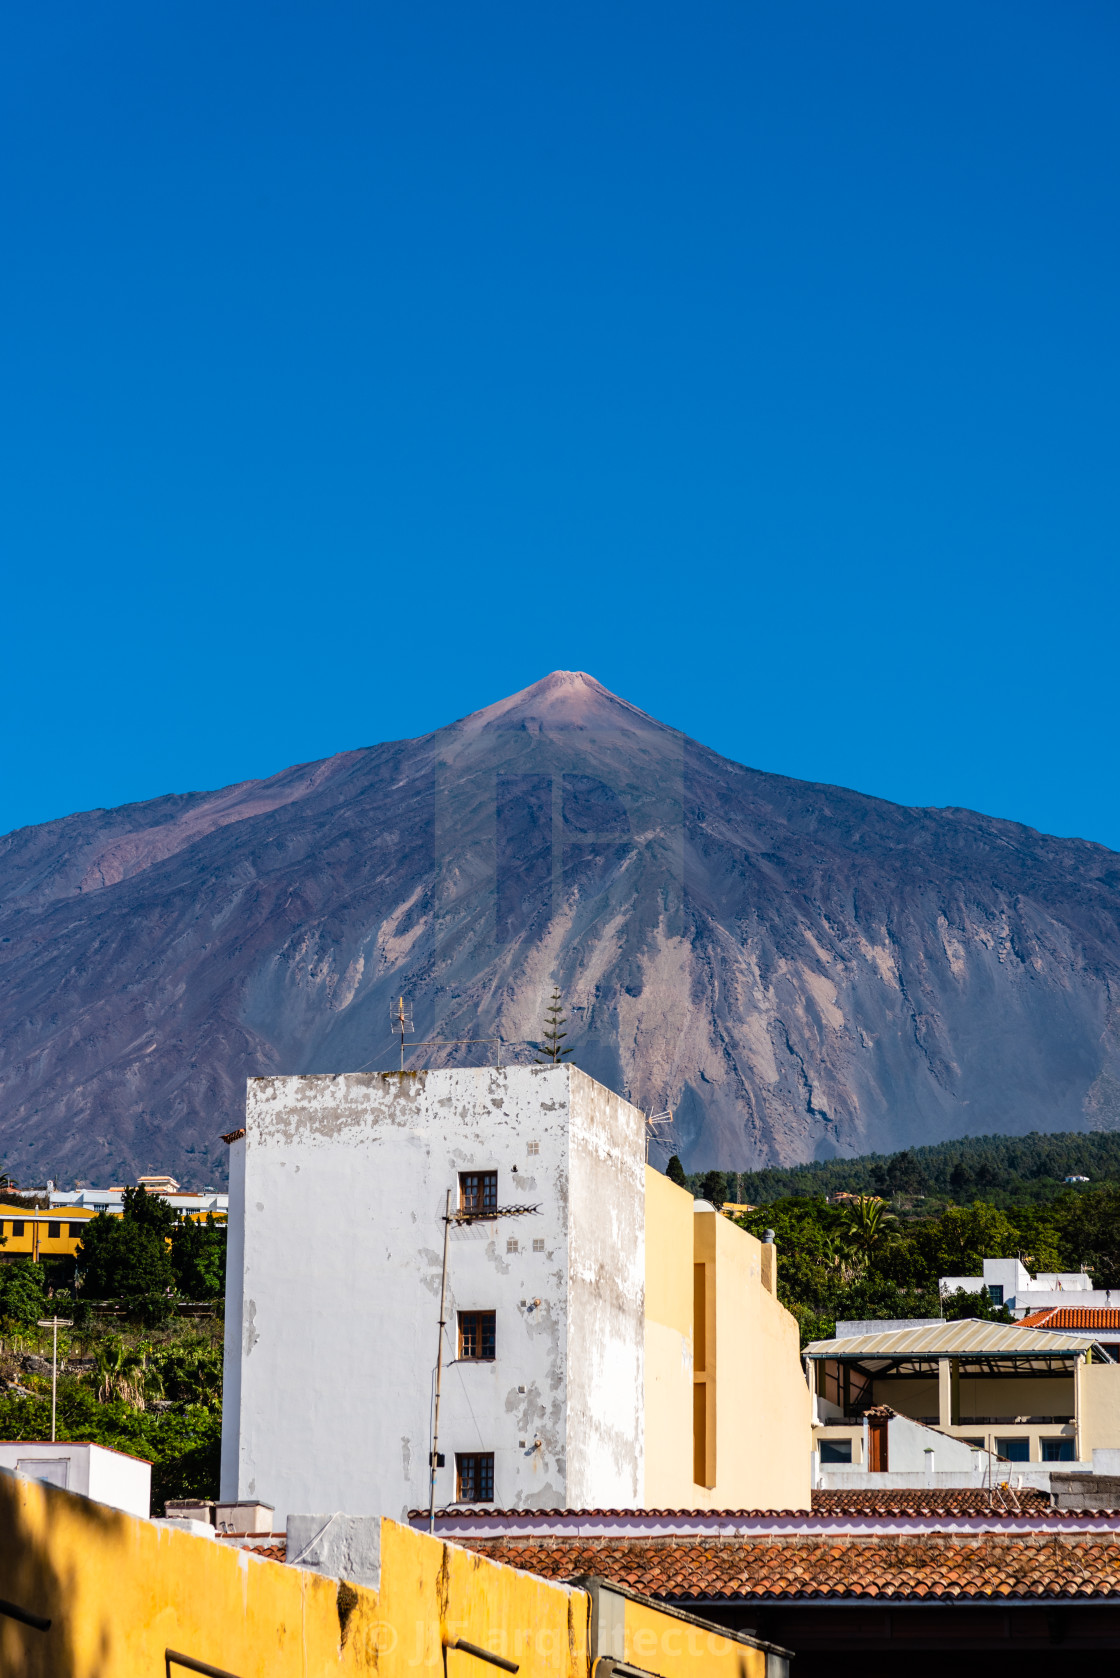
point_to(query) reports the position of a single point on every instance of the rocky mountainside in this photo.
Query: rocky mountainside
(798, 969)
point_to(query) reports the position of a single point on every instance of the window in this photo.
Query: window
(538, 1243)
(17, 1227)
(533, 1148)
(973, 1444)
(53, 1231)
(511, 1245)
(1015, 1450)
(478, 1192)
(474, 1472)
(1057, 1450)
(836, 1450)
(476, 1335)
(995, 1292)
(76, 1231)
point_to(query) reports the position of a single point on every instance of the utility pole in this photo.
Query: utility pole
(463, 1216)
(55, 1323)
(434, 1454)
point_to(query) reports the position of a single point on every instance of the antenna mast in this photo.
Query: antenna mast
(657, 1124)
(400, 1020)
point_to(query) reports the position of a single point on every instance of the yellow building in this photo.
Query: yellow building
(36, 1235)
(57, 1232)
(727, 1408)
(93, 1593)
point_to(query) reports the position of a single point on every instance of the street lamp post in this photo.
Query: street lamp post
(54, 1323)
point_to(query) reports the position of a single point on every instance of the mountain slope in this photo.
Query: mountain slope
(799, 969)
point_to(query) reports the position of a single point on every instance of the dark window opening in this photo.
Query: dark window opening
(995, 1292)
(836, 1450)
(76, 1231)
(17, 1227)
(477, 1335)
(474, 1472)
(1015, 1450)
(1057, 1450)
(478, 1191)
(54, 1231)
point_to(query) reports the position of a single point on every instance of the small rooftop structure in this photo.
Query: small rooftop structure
(94, 1471)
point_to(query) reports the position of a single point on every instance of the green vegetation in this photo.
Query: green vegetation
(928, 1213)
(156, 1396)
(132, 1375)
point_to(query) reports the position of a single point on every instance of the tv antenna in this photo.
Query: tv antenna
(657, 1125)
(400, 1020)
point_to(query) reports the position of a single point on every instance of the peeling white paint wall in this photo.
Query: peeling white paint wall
(331, 1315)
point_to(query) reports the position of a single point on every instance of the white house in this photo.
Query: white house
(1010, 1283)
(95, 1471)
(338, 1190)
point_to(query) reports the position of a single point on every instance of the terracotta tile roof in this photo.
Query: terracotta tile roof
(935, 1500)
(982, 1567)
(1072, 1316)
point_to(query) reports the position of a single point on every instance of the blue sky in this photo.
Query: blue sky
(363, 363)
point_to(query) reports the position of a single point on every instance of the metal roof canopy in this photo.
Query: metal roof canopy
(971, 1341)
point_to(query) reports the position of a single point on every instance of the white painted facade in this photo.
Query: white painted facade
(337, 1195)
(95, 1471)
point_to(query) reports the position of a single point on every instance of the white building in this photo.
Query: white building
(338, 1187)
(94, 1471)
(1010, 1283)
(112, 1200)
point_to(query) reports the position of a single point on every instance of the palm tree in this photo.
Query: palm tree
(124, 1372)
(864, 1224)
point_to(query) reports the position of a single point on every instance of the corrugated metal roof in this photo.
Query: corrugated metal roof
(962, 1338)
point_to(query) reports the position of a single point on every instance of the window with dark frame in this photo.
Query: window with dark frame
(54, 1231)
(474, 1475)
(17, 1227)
(478, 1192)
(477, 1334)
(76, 1231)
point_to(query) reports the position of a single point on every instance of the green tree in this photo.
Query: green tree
(714, 1187)
(675, 1172)
(128, 1258)
(550, 1049)
(198, 1258)
(965, 1236)
(23, 1296)
(961, 1303)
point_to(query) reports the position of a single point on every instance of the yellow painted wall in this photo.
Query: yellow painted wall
(1098, 1412)
(120, 1591)
(755, 1397)
(673, 1648)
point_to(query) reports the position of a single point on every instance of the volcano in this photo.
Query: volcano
(797, 970)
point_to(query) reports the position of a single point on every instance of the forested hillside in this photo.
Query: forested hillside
(1006, 1170)
(928, 1213)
